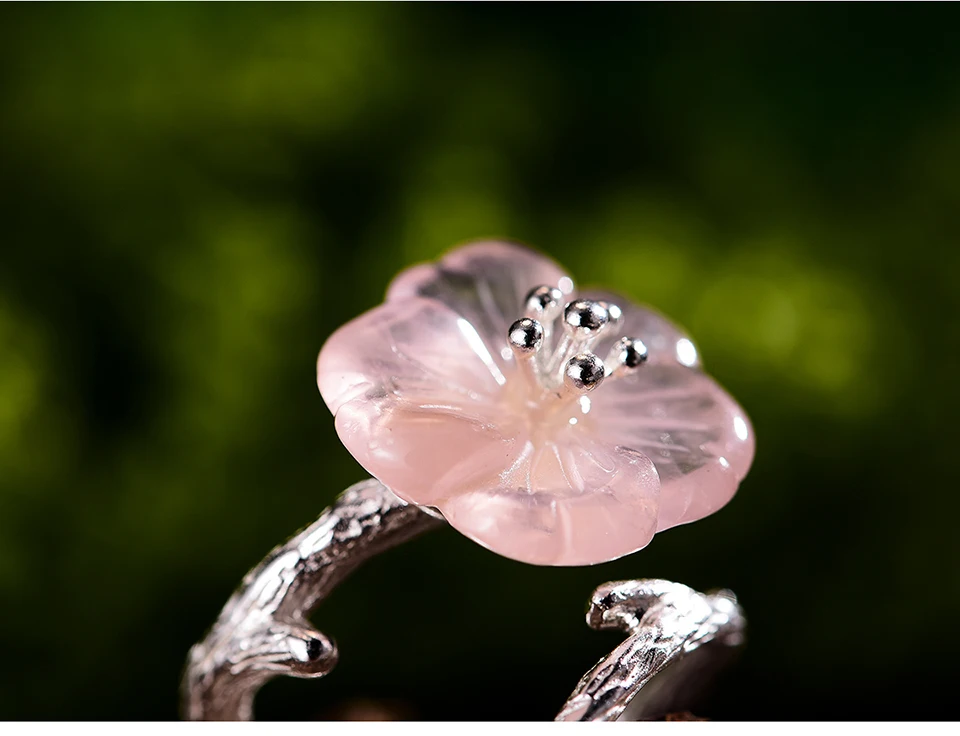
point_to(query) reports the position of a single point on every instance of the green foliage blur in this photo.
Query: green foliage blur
(194, 197)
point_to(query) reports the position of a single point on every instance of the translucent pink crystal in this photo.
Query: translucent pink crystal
(429, 398)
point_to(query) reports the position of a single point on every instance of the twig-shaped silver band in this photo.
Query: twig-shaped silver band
(666, 622)
(263, 631)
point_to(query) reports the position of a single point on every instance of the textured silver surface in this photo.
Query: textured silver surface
(667, 624)
(263, 631)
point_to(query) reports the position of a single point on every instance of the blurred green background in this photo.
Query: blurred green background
(194, 197)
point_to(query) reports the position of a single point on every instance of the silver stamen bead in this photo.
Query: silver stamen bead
(583, 372)
(543, 302)
(585, 318)
(525, 336)
(627, 354)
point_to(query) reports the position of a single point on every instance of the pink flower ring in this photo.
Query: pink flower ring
(551, 427)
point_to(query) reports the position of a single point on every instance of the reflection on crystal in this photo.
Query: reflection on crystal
(740, 427)
(686, 352)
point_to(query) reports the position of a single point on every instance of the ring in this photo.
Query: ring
(476, 396)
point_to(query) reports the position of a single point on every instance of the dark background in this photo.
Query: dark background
(194, 197)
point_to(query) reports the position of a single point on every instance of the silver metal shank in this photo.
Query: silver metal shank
(670, 627)
(263, 631)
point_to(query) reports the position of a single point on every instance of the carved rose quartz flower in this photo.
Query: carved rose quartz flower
(551, 427)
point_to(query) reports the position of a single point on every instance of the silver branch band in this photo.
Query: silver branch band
(264, 630)
(666, 623)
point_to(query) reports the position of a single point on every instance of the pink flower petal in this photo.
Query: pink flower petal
(485, 282)
(415, 349)
(586, 503)
(697, 436)
(415, 395)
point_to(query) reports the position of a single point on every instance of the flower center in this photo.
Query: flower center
(553, 345)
